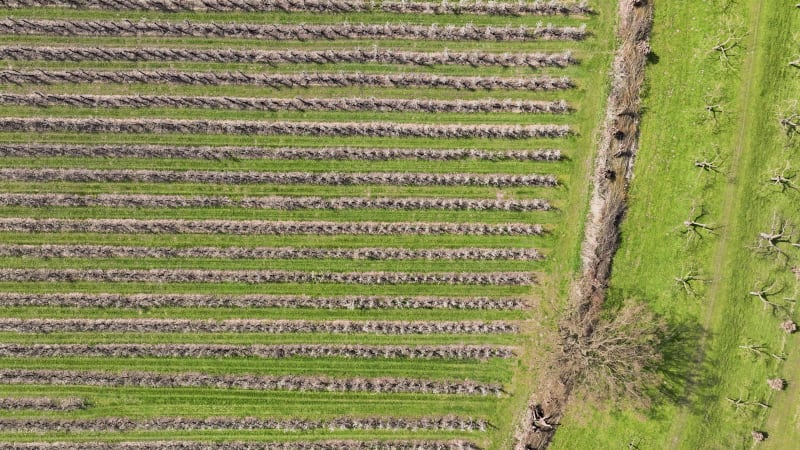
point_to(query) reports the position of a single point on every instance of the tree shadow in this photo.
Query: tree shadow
(682, 377)
(652, 58)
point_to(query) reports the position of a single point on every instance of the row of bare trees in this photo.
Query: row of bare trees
(240, 445)
(266, 276)
(479, 352)
(285, 80)
(260, 227)
(496, 8)
(611, 358)
(116, 424)
(368, 253)
(284, 32)
(272, 202)
(371, 129)
(42, 403)
(252, 326)
(287, 104)
(288, 153)
(88, 300)
(254, 382)
(273, 57)
(252, 177)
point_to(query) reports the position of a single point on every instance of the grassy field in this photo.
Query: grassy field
(560, 244)
(706, 368)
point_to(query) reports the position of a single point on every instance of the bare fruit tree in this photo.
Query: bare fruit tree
(765, 293)
(692, 228)
(685, 281)
(791, 123)
(783, 178)
(727, 43)
(781, 231)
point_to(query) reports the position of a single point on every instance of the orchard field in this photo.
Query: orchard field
(723, 88)
(289, 224)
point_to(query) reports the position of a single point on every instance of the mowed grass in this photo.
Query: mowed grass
(561, 244)
(705, 365)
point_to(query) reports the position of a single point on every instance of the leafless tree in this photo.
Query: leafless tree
(691, 226)
(743, 404)
(783, 179)
(729, 41)
(760, 351)
(685, 281)
(781, 231)
(620, 358)
(791, 123)
(707, 164)
(764, 294)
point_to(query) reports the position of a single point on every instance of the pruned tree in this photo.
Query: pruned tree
(685, 281)
(783, 178)
(707, 164)
(620, 358)
(791, 124)
(713, 110)
(693, 228)
(764, 294)
(729, 40)
(781, 231)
